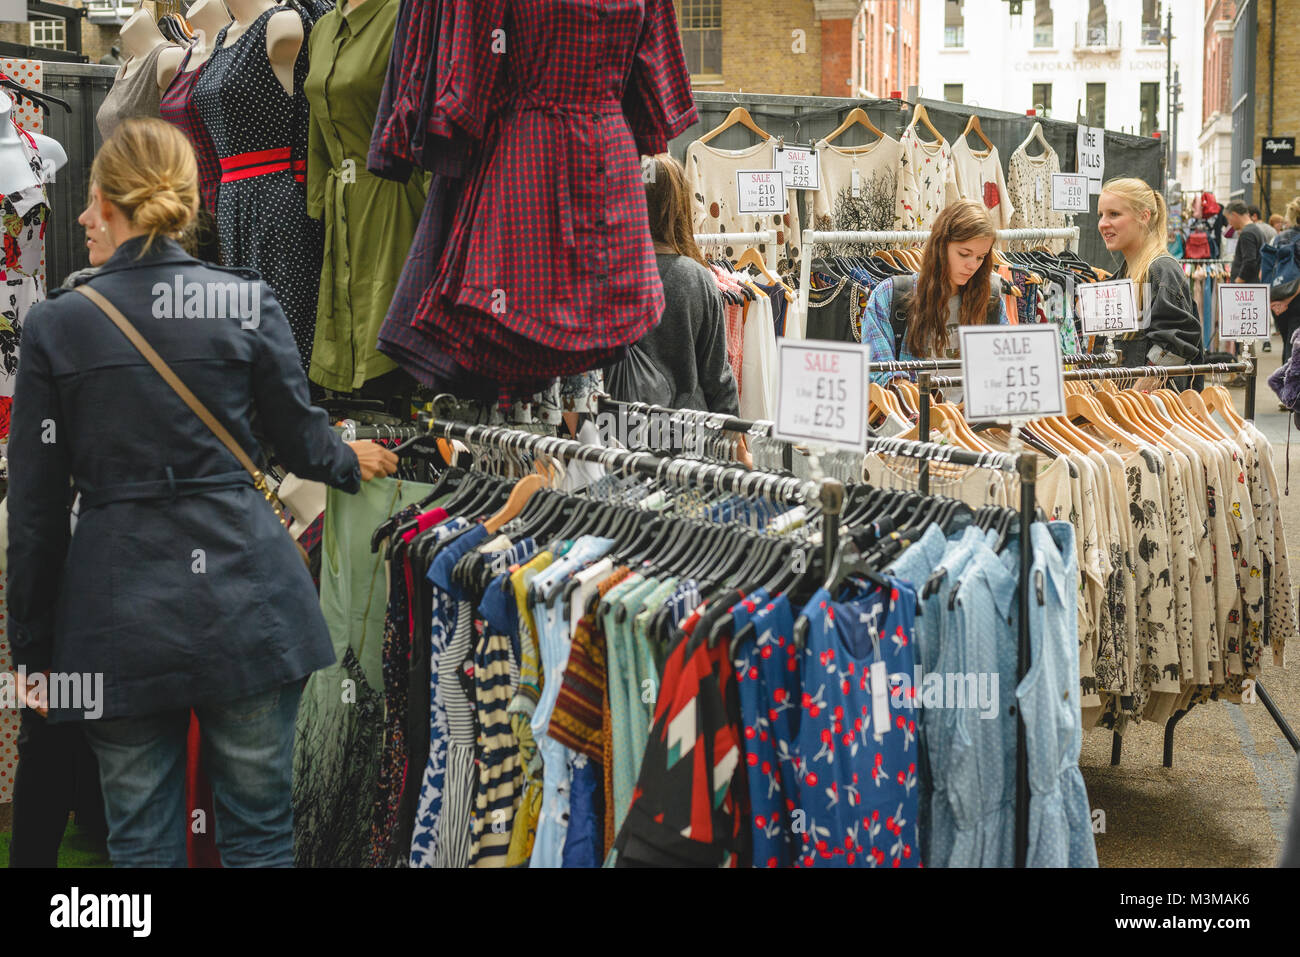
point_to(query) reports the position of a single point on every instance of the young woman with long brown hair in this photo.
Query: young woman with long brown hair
(909, 319)
(689, 346)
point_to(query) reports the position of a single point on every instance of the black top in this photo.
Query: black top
(1174, 327)
(1245, 261)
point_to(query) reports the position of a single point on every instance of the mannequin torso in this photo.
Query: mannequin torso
(15, 169)
(140, 35)
(207, 17)
(284, 35)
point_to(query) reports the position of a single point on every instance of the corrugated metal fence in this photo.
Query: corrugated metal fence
(84, 86)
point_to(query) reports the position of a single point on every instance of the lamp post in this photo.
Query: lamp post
(1171, 164)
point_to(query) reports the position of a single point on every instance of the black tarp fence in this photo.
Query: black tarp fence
(806, 119)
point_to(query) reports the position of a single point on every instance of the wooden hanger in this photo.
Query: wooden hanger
(920, 114)
(909, 396)
(1218, 399)
(1035, 134)
(1087, 408)
(973, 124)
(519, 497)
(1183, 415)
(1123, 413)
(752, 257)
(738, 115)
(884, 401)
(859, 116)
(1192, 401)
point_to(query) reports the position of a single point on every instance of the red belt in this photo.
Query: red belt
(261, 162)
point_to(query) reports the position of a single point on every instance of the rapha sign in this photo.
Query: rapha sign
(1279, 151)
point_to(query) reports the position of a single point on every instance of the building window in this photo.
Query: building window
(952, 92)
(51, 34)
(1043, 99)
(701, 26)
(1096, 23)
(1096, 104)
(1149, 104)
(1042, 23)
(1151, 31)
(954, 24)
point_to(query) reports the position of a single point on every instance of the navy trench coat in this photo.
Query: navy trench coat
(179, 584)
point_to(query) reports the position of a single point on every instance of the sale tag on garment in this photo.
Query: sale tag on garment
(879, 699)
(1243, 311)
(855, 188)
(801, 167)
(761, 190)
(1108, 308)
(1011, 372)
(1069, 193)
(822, 393)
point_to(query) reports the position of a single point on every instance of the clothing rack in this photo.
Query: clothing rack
(736, 239)
(926, 382)
(812, 237)
(934, 365)
(1023, 465)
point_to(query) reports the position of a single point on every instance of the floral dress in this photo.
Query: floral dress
(24, 215)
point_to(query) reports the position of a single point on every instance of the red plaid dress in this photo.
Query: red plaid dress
(548, 268)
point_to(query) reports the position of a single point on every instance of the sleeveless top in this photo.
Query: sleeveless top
(134, 95)
(177, 107)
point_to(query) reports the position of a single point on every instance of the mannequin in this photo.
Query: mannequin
(284, 35)
(15, 172)
(206, 17)
(140, 35)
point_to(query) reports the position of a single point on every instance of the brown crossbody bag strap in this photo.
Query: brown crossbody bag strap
(190, 399)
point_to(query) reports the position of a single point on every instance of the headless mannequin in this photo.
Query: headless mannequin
(12, 160)
(140, 36)
(284, 35)
(15, 172)
(206, 17)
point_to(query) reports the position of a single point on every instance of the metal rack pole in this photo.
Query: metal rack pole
(1028, 475)
(923, 427)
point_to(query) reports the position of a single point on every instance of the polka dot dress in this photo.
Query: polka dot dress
(260, 133)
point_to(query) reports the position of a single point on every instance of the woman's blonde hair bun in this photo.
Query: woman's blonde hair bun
(148, 170)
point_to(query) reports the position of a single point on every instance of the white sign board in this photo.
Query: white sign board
(1108, 308)
(1091, 156)
(822, 393)
(1069, 193)
(802, 167)
(1243, 311)
(1011, 372)
(761, 190)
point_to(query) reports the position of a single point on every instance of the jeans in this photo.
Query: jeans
(248, 754)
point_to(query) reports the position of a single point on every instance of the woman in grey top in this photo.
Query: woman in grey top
(688, 348)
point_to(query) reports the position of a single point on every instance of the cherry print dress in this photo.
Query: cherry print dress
(858, 782)
(260, 134)
(767, 675)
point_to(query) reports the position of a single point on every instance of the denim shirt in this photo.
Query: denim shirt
(1060, 821)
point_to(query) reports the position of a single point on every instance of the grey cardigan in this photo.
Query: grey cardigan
(690, 343)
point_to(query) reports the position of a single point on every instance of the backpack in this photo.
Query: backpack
(900, 306)
(1279, 265)
(1209, 205)
(1197, 246)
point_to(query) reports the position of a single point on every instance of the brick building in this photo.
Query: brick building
(799, 47)
(1215, 140)
(99, 28)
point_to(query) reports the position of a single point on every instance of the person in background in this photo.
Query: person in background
(910, 318)
(1286, 312)
(1132, 220)
(1257, 217)
(179, 585)
(1250, 237)
(689, 345)
(1277, 222)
